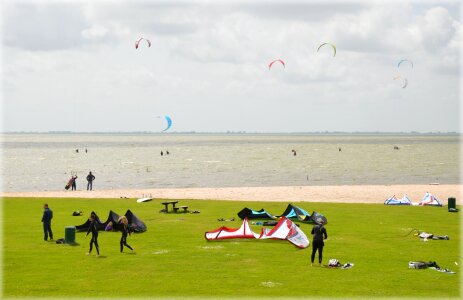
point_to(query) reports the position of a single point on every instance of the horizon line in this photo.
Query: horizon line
(235, 132)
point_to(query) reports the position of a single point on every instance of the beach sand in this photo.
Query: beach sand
(339, 194)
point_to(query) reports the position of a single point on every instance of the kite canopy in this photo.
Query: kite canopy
(430, 200)
(404, 80)
(135, 223)
(137, 42)
(291, 212)
(284, 230)
(332, 46)
(86, 225)
(296, 212)
(318, 218)
(255, 214)
(405, 61)
(277, 60)
(169, 123)
(224, 232)
(114, 219)
(395, 201)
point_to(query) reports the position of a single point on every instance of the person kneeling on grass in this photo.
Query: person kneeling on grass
(92, 228)
(125, 232)
(319, 234)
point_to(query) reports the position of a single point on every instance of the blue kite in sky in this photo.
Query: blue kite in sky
(169, 123)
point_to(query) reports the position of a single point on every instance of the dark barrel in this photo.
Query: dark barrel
(70, 234)
(452, 204)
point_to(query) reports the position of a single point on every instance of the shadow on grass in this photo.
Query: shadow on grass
(96, 256)
(72, 244)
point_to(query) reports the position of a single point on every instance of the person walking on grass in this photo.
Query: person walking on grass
(46, 220)
(92, 228)
(90, 178)
(319, 234)
(125, 231)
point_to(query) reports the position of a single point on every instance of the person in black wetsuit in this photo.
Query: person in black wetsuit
(46, 220)
(92, 228)
(319, 234)
(125, 231)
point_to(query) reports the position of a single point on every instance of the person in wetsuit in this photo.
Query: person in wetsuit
(92, 228)
(319, 234)
(125, 231)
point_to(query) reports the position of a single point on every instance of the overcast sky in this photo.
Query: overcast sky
(73, 66)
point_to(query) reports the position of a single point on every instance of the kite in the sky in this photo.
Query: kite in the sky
(405, 60)
(169, 123)
(404, 80)
(332, 46)
(137, 42)
(277, 60)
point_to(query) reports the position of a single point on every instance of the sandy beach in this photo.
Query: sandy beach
(339, 194)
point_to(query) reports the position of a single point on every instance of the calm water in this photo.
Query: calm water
(32, 162)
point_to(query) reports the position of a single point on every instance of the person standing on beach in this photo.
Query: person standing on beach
(319, 234)
(92, 228)
(90, 179)
(73, 182)
(46, 220)
(125, 231)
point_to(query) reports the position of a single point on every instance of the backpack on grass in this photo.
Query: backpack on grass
(422, 264)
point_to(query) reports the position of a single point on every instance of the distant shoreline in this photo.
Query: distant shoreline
(336, 194)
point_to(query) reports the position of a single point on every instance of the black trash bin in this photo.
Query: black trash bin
(70, 235)
(452, 205)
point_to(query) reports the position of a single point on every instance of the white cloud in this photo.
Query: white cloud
(42, 27)
(437, 29)
(94, 32)
(212, 59)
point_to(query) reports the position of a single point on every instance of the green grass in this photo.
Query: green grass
(173, 259)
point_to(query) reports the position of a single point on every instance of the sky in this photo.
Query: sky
(73, 66)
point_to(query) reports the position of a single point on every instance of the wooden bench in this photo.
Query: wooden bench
(185, 208)
(176, 209)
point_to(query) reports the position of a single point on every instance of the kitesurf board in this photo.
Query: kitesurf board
(144, 200)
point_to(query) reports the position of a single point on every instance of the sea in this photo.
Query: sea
(46, 161)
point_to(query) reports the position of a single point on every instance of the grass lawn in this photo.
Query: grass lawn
(173, 259)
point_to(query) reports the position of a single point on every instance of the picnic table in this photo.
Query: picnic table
(166, 205)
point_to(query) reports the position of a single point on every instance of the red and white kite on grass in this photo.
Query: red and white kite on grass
(284, 230)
